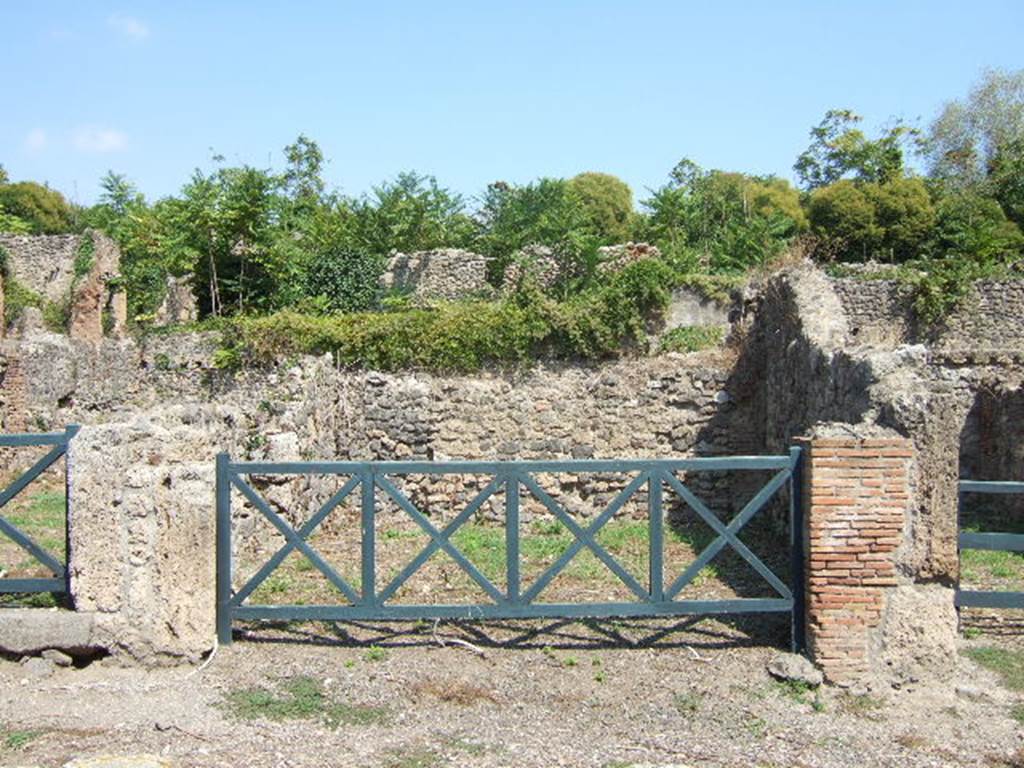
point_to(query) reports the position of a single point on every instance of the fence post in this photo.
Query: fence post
(798, 553)
(224, 548)
(69, 433)
(368, 541)
(512, 536)
(656, 543)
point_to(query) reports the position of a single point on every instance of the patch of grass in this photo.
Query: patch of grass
(691, 338)
(300, 698)
(474, 748)
(413, 757)
(1017, 713)
(375, 653)
(800, 692)
(863, 705)
(756, 727)
(687, 703)
(1008, 664)
(980, 565)
(17, 740)
(31, 600)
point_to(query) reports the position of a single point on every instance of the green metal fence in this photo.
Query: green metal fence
(58, 443)
(373, 599)
(1002, 542)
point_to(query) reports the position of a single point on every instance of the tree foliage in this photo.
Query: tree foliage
(839, 150)
(715, 221)
(964, 143)
(893, 221)
(607, 202)
(43, 210)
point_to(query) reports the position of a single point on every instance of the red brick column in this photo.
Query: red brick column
(856, 515)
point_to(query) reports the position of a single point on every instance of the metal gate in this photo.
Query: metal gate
(1001, 542)
(372, 600)
(58, 443)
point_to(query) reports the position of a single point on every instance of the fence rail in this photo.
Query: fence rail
(1000, 542)
(372, 599)
(58, 443)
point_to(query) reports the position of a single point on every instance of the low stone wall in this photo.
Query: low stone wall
(880, 312)
(446, 273)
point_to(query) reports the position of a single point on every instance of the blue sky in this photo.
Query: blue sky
(471, 92)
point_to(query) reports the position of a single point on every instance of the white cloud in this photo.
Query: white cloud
(99, 140)
(36, 140)
(129, 26)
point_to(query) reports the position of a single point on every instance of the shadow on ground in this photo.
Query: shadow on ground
(694, 632)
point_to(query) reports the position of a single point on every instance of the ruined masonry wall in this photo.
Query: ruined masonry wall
(879, 312)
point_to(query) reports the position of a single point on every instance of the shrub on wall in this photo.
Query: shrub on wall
(344, 280)
(465, 336)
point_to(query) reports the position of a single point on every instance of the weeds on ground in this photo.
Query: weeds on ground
(687, 703)
(1008, 664)
(413, 757)
(18, 740)
(800, 692)
(1017, 713)
(691, 338)
(756, 727)
(300, 698)
(469, 747)
(375, 653)
(860, 705)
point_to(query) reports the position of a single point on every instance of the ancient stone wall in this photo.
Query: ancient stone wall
(879, 312)
(44, 264)
(446, 273)
(78, 273)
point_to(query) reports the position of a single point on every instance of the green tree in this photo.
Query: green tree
(970, 138)
(44, 210)
(607, 202)
(840, 150)
(411, 213)
(973, 227)
(545, 212)
(303, 175)
(905, 215)
(718, 221)
(1006, 179)
(843, 214)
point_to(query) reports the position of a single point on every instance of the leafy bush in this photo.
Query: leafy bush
(465, 336)
(975, 228)
(712, 221)
(44, 210)
(607, 202)
(892, 221)
(344, 280)
(546, 212)
(691, 338)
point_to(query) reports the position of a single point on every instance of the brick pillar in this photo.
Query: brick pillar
(859, 492)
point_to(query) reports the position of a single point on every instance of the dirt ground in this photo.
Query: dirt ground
(537, 694)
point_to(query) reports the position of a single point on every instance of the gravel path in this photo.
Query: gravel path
(603, 695)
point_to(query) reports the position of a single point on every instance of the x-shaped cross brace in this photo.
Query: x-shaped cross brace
(295, 540)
